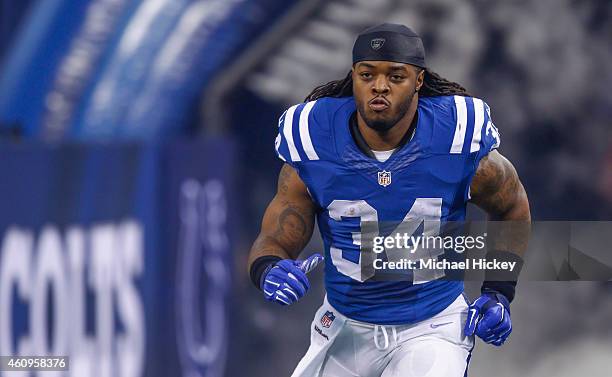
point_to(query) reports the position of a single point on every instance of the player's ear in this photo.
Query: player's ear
(420, 79)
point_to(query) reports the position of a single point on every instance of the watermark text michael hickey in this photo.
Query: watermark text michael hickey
(443, 264)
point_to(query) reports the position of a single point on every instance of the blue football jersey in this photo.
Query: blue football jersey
(427, 178)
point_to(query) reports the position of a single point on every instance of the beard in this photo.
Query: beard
(385, 124)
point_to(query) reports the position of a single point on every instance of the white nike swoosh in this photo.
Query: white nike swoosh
(436, 325)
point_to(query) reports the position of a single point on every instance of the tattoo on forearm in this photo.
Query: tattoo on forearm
(265, 245)
(289, 219)
(292, 226)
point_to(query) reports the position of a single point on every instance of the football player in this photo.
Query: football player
(392, 142)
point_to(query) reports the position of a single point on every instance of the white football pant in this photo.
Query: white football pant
(342, 347)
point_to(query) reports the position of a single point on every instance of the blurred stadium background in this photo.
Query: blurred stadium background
(136, 160)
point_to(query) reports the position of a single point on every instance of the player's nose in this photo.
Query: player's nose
(380, 85)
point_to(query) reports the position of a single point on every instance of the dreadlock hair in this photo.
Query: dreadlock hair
(433, 85)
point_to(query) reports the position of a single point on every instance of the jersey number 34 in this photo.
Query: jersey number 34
(426, 211)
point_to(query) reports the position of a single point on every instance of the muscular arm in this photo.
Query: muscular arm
(288, 221)
(497, 189)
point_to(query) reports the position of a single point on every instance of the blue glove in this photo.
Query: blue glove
(285, 282)
(489, 318)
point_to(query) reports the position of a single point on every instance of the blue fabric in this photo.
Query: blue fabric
(423, 172)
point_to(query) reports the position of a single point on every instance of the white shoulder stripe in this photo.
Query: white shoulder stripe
(479, 119)
(305, 133)
(277, 144)
(461, 126)
(288, 133)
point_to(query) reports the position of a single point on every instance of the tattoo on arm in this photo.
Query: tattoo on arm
(497, 189)
(293, 228)
(289, 219)
(283, 178)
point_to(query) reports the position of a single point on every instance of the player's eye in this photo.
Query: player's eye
(366, 75)
(397, 77)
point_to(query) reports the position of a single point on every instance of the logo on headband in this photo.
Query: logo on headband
(377, 43)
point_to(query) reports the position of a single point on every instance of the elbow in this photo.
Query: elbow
(519, 211)
(522, 210)
(516, 210)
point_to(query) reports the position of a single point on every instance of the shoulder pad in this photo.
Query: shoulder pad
(304, 131)
(463, 125)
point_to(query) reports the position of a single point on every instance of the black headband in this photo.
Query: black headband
(389, 42)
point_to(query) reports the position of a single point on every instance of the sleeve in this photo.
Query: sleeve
(280, 143)
(463, 126)
(294, 142)
(488, 136)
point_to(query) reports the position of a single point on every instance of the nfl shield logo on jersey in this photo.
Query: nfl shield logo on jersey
(384, 178)
(327, 319)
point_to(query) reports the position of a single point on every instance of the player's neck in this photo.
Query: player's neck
(384, 141)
